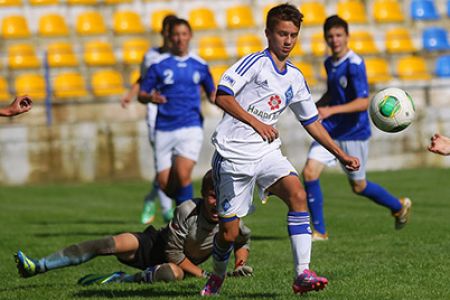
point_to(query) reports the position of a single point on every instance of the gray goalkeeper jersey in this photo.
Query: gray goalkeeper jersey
(190, 235)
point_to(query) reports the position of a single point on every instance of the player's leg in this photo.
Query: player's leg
(318, 159)
(399, 208)
(290, 190)
(72, 255)
(148, 212)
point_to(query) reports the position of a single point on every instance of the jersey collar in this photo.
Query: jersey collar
(267, 53)
(340, 61)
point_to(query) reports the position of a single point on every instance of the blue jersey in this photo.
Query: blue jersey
(178, 79)
(347, 80)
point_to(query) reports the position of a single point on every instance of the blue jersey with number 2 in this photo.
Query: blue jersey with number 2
(178, 79)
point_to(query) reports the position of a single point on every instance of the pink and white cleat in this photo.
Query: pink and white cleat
(308, 281)
(212, 286)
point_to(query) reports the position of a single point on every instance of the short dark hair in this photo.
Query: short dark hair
(283, 12)
(166, 21)
(178, 22)
(334, 21)
(207, 182)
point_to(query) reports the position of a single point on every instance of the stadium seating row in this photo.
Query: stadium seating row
(109, 82)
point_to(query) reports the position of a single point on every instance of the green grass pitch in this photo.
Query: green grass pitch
(365, 257)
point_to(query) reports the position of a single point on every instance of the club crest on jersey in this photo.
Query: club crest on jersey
(229, 79)
(196, 77)
(226, 205)
(343, 81)
(274, 102)
(289, 94)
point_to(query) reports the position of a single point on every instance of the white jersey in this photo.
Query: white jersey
(152, 109)
(265, 92)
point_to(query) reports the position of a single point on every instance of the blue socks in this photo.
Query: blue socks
(315, 204)
(184, 193)
(380, 196)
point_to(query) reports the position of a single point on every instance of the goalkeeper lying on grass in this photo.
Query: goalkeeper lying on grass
(163, 255)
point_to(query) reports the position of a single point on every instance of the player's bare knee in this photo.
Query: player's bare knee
(168, 272)
(297, 200)
(358, 186)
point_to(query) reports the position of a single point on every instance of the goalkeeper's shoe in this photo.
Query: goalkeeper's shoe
(402, 216)
(212, 286)
(317, 236)
(26, 266)
(308, 281)
(148, 213)
(102, 278)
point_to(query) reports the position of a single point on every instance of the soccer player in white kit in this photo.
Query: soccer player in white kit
(253, 93)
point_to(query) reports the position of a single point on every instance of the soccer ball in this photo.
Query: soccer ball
(392, 110)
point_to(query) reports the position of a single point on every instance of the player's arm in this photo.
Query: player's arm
(356, 105)
(318, 132)
(229, 104)
(147, 92)
(190, 268)
(241, 253)
(324, 100)
(132, 93)
(20, 104)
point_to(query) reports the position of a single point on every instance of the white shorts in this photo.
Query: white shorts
(359, 149)
(185, 142)
(152, 111)
(235, 182)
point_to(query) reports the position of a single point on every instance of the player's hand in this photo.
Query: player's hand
(439, 144)
(267, 132)
(351, 163)
(157, 98)
(21, 104)
(125, 101)
(325, 112)
(241, 271)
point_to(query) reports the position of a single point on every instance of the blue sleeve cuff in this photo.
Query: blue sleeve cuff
(309, 121)
(225, 89)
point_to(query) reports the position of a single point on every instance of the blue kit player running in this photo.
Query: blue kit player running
(343, 109)
(148, 212)
(173, 82)
(253, 93)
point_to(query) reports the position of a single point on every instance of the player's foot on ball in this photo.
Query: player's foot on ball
(26, 266)
(317, 236)
(148, 213)
(168, 215)
(212, 286)
(402, 216)
(308, 281)
(101, 278)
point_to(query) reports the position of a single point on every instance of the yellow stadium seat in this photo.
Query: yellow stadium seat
(412, 68)
(318, 45)
(68, 85)
(61, 54)
(10, 2)
(212, 48)
(14, 27)
(387, 11)
(240, 16)
(90, 23)
(81, 2)
(362, 42)
(107, 83)
(157, 18)
(52, 25)
(217, 71)
(127, 22)
(134, 50)
(398, 40)
(4, 93)
(22, 56)
(298, 50)
(43, 2)
(98, 53)
(352, 11)
(202, 19)
(248, 43)
(307, 71)
(114, 2)
(266, 10)
(134, 76)
(377, 70)
(314, 13)
(32, 85)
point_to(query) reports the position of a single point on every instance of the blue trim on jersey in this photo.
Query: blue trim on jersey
(309, 121)
(228, 219)
(266, 51)
(253, 61)
(225, 89)
(244, 62)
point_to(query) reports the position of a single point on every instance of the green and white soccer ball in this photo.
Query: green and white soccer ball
(392, 110)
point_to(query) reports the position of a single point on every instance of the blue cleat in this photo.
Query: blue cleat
(102, 278)
(27, 267)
